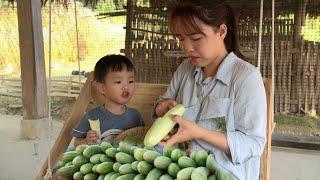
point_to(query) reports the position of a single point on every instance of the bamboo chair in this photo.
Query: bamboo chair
(144, 97)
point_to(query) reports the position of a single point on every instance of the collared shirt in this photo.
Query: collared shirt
(233, 102)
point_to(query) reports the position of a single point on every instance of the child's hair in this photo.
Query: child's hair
(111, 63)
(211, 12)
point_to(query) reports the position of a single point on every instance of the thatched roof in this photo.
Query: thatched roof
(245, 7)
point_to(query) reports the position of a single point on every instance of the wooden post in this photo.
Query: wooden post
(33, 76)
(128, 43)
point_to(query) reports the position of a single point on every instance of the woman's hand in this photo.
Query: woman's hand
(164, 106)
(92, 136)
(187, 131)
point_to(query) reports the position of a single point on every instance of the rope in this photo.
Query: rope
(260, 33)
(272, 56)
(48, 174)
(77, 35)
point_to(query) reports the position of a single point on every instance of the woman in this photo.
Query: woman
(224, 95)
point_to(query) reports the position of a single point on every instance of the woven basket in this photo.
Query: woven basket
(138, 132)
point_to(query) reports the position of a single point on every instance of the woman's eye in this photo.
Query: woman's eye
(196, 38)
(180, 39)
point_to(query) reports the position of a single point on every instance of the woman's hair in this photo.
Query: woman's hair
(212, 13)
(111, 63)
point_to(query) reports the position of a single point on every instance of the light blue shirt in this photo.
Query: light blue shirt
(233, 102)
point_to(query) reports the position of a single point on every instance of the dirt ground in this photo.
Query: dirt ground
(61, 108)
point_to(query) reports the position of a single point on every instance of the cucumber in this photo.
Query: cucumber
(212, 177)
(144, 167)
(79, 160)
(154, 174)
(105, 167)
(200, 173)
(138, 154)
(108, 176)
(134, 165)
(167, 151)
(80, 148)
(211, 164)
(166, 177)
(176, 154)
(162, 126)
(139, 177)
(193, 155)
(67, 170)
(126, 177)
(60, 164)
(91, 176)
(185, 173)
(101, 177)
(150, 156)
(95, 159)
(111, 152)
(162, 162)
(185, 162)
(91, 150)
(69, 156)
(201, 158)
(126, 169)
(94, 168)
(173, 169)
(223, 175)
(70, 149)
(126, 147)
(78, 176)
(116, 166)
(86, 168)
(124, 158)
(115, 176)
(105, 158)
(68, 163)
(105, 145)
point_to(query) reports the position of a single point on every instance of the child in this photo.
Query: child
(114, 75)
(225, 95)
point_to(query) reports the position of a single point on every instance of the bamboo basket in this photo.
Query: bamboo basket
(138, 132)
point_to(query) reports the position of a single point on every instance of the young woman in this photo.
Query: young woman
(224, 95)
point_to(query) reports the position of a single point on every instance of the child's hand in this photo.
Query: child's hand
(164, 106)
(92, 136)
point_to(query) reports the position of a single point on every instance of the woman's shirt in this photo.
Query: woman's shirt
(233, 102)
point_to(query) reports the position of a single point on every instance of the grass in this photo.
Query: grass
(297, 125)
(303, 121)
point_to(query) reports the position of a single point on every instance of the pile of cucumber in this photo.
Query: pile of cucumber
(127, 161)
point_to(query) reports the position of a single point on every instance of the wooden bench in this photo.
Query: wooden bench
(144, 98)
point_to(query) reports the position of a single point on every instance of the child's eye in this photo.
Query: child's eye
(131, 81)
(117, 82)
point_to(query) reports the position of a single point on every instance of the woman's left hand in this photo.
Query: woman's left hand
(187, 131)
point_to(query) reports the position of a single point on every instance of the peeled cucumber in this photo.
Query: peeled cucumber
(162, 126)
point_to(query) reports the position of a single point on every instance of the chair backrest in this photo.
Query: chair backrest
(144, 98)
